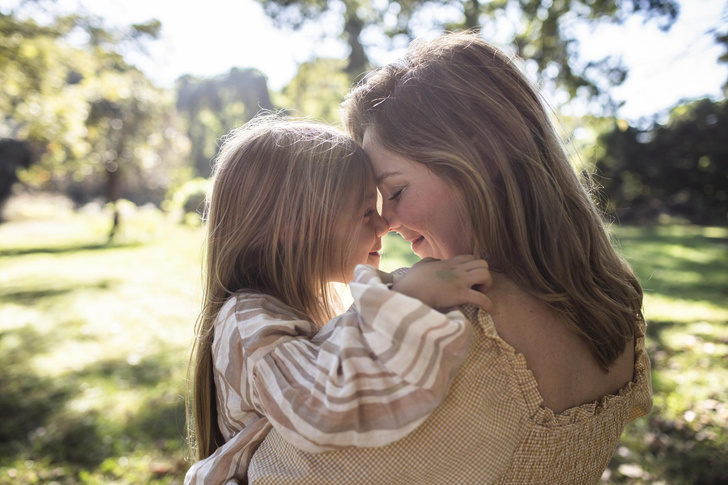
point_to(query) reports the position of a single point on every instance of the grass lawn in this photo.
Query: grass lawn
(94, 342)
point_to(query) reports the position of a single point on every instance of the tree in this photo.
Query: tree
(357, 15)
(92, 112)
(14, 154)
(679, 168)
(317, 90)
(543, 30)
(213, 106)
(130, 127)
(722, 39)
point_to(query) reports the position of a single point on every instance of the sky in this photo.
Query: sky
(208, 38)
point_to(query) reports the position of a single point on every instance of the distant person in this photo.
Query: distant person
(468, 162)
(293, 209)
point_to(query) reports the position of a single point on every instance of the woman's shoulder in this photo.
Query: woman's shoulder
(560, 361)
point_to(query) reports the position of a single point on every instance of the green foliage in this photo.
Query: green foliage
(187, 203)
(721, 38)
(317, 90)
(357, 15)
(104, 127)
(545, 38)
(396, 253)
(213, 106)
(543, 33)
(679, 168)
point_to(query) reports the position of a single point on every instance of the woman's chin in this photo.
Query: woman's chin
(421, 248)
(425, 253)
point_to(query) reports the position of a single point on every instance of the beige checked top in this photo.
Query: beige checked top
(491, 428)
(367, 378)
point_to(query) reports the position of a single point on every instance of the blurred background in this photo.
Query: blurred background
(110, 113)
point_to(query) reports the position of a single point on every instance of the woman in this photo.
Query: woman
(467, 161)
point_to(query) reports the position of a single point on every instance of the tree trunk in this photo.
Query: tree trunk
(353, 25)
(14, 154)
(112, 194)
(472, 14)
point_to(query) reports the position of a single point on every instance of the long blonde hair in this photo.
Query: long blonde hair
(461, 107)
(275, 205)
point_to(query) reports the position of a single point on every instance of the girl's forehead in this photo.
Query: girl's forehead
(365, 194)
(370, 186)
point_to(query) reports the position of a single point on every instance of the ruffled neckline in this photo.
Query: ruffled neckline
(546, 417)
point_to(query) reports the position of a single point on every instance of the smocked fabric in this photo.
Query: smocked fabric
(491, 428)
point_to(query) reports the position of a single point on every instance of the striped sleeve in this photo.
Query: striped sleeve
(368, 378)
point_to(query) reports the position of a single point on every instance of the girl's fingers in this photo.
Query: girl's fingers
(479, 277)
(474, 264)
(470, 268)
(462, 258)
(480, 300)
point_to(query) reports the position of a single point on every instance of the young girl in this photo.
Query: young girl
(293, 209)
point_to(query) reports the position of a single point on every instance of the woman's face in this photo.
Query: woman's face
(418, 204)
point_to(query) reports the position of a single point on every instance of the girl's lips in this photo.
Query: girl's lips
(373, 259)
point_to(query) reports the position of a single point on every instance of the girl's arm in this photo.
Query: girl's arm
(368, 378)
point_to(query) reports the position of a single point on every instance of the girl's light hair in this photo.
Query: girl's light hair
(461, 107)
(273, 215)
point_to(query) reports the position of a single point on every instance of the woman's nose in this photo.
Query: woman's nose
(388, 216)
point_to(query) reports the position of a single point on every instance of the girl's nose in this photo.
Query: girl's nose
(380, 226)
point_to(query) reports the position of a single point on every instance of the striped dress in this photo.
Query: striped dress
(366, 379)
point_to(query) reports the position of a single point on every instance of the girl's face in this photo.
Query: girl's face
(418, 204)
(367, 230)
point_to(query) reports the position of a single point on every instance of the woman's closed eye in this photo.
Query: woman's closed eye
(397, 193)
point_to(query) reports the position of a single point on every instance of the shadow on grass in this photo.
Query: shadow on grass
(670, 449)
(654, 335)
(27, 400)
(700, 282)
(687, 266)
(684, 450)
(32, 297)
(150, 371)
(73, 248)
(35, 422)
(160, 423)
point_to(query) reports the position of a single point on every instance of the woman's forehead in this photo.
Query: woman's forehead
(387, 163)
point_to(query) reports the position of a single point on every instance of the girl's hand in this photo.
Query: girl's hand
(448, 283)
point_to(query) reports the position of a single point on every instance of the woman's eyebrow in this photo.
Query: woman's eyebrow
(385, 175)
